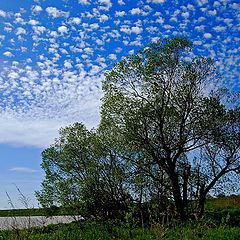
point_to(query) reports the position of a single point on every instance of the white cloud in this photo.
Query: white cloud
(8, 54)
(94, 70)
(8, 27)
(19, 20)
(99, 42)
(103, 18)
(207, 35)
(212, 12)
(3, 14)
(200, 28)
(235, 6)
(198, 43)
(190, 7)
(173, 19)
(84, 2)
(63, 29)
(36, 9)
(23, 132)
(56, 13)
(105, 4)
(23, 170)
(131, 52)
(88, 50)
(228, 21)
(201, 19)
(39, 29)
(75, 20)
(135, 11)
(94, 26)
(160, 20)
(167, 26)
(126, 29)
(40, 129)
(201, 2)
(185, 14)
(21, 31)
(216, 4)
(68, 64)
(121, 2)
(112, 56)
(219, 28)
(152, 29)
(13, 75)
(136, 30)
(156, 1)
(33, 22)
(155, 39)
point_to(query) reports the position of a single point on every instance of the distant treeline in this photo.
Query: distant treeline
(54, 211)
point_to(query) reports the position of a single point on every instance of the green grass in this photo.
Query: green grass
(222, 221)
(224, 202)
(223, 210)
(202, 232)
(77, 231)
(108, 231)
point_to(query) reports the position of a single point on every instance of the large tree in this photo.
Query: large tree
(158, 108)
(164, 139)
(84, 173)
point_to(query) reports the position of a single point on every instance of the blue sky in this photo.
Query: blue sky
(53, 54)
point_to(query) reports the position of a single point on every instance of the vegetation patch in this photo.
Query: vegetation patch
(109, 230)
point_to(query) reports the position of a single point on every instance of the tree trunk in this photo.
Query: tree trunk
(200, 204)
(180, 208)
(180, 205)
(204, 191)
(186, 175)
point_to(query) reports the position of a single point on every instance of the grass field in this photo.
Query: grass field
(107, 231)
(224, 202)
(221, 222)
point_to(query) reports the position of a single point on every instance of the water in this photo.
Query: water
(34, 221)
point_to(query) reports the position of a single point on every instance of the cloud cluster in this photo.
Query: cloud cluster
(56, 13)
(53, 57)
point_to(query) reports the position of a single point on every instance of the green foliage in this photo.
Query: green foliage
(225, 217)
(157, 108)
(223, 210)
(83, 174)
(201, 232)
(21, 212)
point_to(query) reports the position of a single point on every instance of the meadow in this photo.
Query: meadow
(221, 221)
(105, 231)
